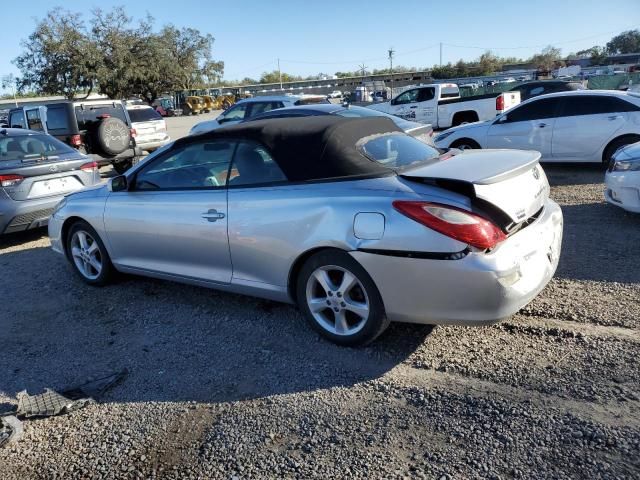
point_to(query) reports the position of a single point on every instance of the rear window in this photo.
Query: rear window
(89, 115)
(26, 147)
(143, 115)
(397, 150)
(311, 101)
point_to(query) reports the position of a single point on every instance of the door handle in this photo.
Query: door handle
(212, 215)
(415, 106)
(542, 125)
(613, 117)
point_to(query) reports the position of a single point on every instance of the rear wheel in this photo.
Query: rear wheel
(87, 254)
(465, 144)
(340, 300)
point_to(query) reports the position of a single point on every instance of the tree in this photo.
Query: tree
(488, 63)
(548, 59)
(59, 57)
(274, 77)
(626, 42)
(596, 54)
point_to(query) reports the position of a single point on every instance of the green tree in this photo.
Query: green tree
(274, 77)
(626, 42)
(59, 57)
(596, 54)
(488, 63)
(548, 59)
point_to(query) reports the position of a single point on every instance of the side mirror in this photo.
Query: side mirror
(118, 184)
(502, 119)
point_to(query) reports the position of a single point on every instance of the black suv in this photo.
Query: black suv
(100, 129)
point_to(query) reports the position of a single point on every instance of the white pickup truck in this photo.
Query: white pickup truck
(440, 105)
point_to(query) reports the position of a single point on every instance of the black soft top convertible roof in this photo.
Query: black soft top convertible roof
(313, 148)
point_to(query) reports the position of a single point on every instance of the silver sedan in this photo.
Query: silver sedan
(355, 221)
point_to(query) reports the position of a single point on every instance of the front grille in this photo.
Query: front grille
(27, 219)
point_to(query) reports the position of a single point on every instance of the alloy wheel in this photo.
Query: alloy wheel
(337, 300)
(86, 254)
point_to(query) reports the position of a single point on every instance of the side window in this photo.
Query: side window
(594, 105)
(237, 112)
(201, 165)
(426, 94)
(260, 107)
(252, 164)
(16, 119)
(33, 119)
(537, 109)
(535, 91)
(410, 96)
(56, 118)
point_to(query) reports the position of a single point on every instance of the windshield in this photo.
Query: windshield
(31, 147)
(397, 150)
(359, 112)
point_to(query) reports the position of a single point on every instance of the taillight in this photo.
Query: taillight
(89, 167)
(76, 140)
(10, 180)
(499, 103)
(133, 132)
(453, 222)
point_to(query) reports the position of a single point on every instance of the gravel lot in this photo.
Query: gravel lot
(224, 386)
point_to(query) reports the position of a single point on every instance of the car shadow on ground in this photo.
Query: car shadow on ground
(19, 238)
(178, 342)
(560, 174)
(599, 242)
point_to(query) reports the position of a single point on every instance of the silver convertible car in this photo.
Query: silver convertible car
(355, 221)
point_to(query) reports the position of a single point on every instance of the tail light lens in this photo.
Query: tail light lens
(10, 180)
(500, 103)
(89, 167)
(76, 140)
(133, 132)
(453, 222)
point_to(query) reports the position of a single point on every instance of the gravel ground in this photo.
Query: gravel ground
(224, 386)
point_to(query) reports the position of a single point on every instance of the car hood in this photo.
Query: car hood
(511, 180)
(469, 126)
(204, 127)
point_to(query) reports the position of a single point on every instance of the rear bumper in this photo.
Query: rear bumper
(623, 190)
(152, 144)
(17, 216)
(478, 289)
(125, 156)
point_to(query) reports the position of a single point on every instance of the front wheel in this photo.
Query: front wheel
(88, 255)
(340, 300)
(465, 144)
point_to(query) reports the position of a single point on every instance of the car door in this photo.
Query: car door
(526, 127)
(426, 111)
(259, 232)
(235, 114)
(405, 105)
(586, 123)
(173, 218)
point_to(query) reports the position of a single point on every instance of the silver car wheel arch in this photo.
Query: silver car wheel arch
(331, 310)
(86, 254)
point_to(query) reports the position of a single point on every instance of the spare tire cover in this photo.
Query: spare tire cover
(113, 136)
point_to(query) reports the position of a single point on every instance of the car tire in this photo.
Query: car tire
(340, 300)
(615, 145)
(112, 136)
(88, 255)
(465, 144)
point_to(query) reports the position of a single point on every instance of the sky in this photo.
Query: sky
(329, 36)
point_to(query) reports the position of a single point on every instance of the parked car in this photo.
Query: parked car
(419, 130)
(36, 171)
(622, 180)
(335, 94)
(251, 107)
(440, 105)
(150, 127)
(100, 129)
(542, 87)
(577, 126)
(355, 221)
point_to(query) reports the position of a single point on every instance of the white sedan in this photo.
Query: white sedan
(622, 180)
(577, 126)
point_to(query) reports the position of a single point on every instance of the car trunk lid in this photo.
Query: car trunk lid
(511, 181)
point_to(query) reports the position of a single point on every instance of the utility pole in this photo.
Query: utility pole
(363, 68)
(440, 53)
(280, 74)
(391, 52)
